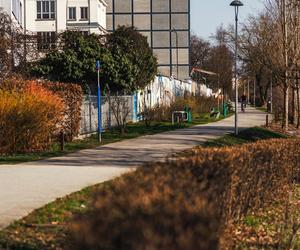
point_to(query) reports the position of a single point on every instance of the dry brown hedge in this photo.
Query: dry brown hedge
(72, 96)
(186, 204)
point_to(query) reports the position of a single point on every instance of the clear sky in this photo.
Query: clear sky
(207, 15)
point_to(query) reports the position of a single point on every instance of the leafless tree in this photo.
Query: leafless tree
(16, 47)
(120, 107)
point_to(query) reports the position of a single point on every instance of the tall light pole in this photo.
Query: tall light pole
(248, 99)
(177, 53)
(236, 4)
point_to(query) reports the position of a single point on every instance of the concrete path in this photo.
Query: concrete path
(25, 187)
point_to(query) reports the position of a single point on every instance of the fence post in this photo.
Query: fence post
(109, 111)
(62, 141)
(267, 120)
(90, 113)
(135, 107)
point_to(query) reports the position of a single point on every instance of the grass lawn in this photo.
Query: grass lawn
(263, 109)
(133, 131)
(47, 227)
(245, 136)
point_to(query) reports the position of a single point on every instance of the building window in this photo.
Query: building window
(84, 13)
(14, 8)
(17, 10)
(84, 33)
(45, 9)
(72, 13)
(46, 40)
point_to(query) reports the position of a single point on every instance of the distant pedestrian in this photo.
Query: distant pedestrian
(269, 107)
(243, 102)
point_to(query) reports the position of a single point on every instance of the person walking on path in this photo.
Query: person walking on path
(243, 102)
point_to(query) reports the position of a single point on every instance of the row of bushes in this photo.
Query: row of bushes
(197, 104)
(186, 204)
(33, 113)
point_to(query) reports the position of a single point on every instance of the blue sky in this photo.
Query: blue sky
(207, 15)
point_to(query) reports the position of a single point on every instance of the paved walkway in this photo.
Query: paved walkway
(25, 187)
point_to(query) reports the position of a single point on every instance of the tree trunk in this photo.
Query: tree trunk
(293, 111)
(298, 105)
(285, 120)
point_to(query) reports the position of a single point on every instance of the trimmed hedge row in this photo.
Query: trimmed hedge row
(186, 204)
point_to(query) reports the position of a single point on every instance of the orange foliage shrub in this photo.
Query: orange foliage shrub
(70, 94)
(29, 115)
(186, 204)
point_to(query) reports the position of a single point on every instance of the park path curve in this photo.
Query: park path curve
(28, 186)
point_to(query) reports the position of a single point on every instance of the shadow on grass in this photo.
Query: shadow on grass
(245, 136)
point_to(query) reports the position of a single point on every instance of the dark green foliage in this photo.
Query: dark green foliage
(134, 46)
(74, 60)
(127, 62)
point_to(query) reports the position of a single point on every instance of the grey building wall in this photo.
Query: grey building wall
(158, 20)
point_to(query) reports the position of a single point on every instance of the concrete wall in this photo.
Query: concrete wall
(163, 90)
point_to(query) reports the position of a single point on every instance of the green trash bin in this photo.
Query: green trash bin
(225, 110)
(189, 114)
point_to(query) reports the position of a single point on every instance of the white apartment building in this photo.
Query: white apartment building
(15, 9)
(46, 18)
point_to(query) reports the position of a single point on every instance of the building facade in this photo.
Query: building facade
(60, 15)
(15, 9)
(46, 18)
(166, 23)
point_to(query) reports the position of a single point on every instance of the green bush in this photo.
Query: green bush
(198, 105)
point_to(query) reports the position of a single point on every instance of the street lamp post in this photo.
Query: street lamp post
(248, 99)
(177, 56)
(236, 4)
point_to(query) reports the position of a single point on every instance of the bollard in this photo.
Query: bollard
(267, 120)
(62, 141)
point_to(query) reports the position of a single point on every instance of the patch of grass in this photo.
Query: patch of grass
(133, 131)
(263, 109)
(252, 221)
(47, 227)
(245, 136)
